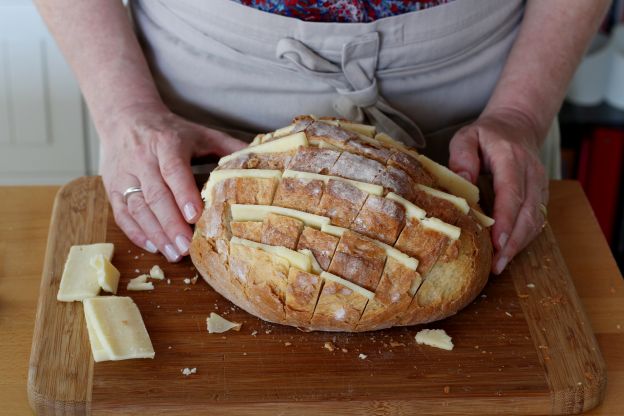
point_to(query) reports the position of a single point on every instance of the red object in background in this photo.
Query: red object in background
(603, 171)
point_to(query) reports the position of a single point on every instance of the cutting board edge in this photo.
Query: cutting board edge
(42, 399)
(565, 398)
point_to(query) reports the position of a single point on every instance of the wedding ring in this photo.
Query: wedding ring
(130, 191)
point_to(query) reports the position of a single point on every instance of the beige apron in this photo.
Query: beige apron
(418, 76)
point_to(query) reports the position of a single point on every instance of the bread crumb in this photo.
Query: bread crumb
(189, 371)
(187, 281)
(530, 285)
(484, 296)
(447, 389)
(618, 326)
(344, 350)
(396, 344)
(508, 314)
(268, 331)
(136, 257)
(179, 310)
(329, 346)
(157, 306)
(287, 344)
(168, 281)
(194, 279)
(362, 356)
(169, 347)
(137, 271)
(254, 333)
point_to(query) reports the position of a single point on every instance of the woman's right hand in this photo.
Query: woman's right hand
(150, 147)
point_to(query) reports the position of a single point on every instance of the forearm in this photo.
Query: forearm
(552, 40)
(97, 40)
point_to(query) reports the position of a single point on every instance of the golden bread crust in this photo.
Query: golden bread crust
(388, 266)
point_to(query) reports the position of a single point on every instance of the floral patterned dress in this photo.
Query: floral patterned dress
(345, 11)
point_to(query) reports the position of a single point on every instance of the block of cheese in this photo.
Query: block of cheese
(242, 212)
(107, 274)
(370, 188)
(296, 259)
(79, 279)
(117, 328)
(450, 180)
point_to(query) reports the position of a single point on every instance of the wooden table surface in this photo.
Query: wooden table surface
(24, 220)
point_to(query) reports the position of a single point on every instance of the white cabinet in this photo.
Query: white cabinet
(44, 127)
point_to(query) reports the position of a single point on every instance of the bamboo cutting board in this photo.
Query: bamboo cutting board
(524, 346)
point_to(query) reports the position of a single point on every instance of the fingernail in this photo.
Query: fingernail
(183, 243)
(149, 246)
(189, 211)
(500, 265)
(465, 175)
(171, 253)
(502, 240)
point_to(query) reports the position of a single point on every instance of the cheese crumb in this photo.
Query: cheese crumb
(140, 283)
(187, 281)
(254, 333)
(508, 314)
(329, 346)
(287, 344)
(194, 279)
(157, 273)
(434, 338)
(189, 371)
(362, 356)
(217, 324)
(530, 285)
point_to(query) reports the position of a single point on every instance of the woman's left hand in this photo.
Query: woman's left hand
(506, 144)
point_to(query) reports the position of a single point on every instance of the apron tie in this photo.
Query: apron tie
(354, 81)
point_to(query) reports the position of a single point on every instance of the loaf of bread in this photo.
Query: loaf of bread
(328, 225)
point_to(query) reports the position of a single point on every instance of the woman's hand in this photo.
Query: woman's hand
(152, 148)
(506, 144)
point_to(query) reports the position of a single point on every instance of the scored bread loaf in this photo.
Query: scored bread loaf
(327, 225)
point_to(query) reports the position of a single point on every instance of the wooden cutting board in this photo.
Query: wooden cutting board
(524, 346)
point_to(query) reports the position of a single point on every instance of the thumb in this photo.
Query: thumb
(215, 142)
(464, 154)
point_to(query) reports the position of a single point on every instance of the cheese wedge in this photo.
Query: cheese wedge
(117, 324)
(79, 280)
(242, 212)
(362, 186)
(459, 202)
(217, 176)
(435, 338)
(440, 226)
(107, 274)
(316, 267)
(483, 219)
(296, 259)
(358, 289)
(283, 144)
(216, 324)
(411, 210)
(450, 180)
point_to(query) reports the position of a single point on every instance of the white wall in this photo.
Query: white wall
(45, 135)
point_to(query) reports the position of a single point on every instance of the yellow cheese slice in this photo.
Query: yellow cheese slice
(282, 144)
(284, 131)
(363, 186)
(363, 129)
(316, 267)
(116, 322)
(79, 279)
(411, 210)
(333, 230)
(107, 274)
(296, 259)
(256, 140)
(459, 202)
(324, 145)
(450, 180)
(220, 175)
(97, 349)
(440, 226)
(357, 289)
(483, 219)
(242, 212)
(435, 338)
(216, 324)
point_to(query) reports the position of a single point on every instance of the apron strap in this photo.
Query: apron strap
(354, 81)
